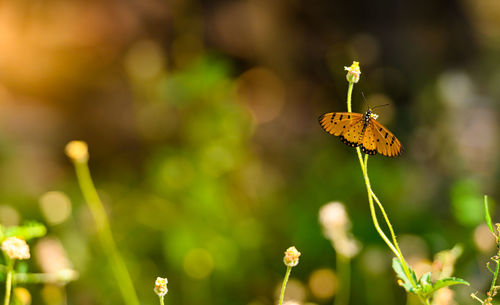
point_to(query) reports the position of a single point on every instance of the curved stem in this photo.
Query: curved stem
(495, 275)
(8, 281)
(372, 207)
(283, 287)
(104, 234)
(344, 272)
(399, 254)
(371, 196)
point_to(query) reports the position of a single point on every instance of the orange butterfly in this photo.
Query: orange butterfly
(356, 129)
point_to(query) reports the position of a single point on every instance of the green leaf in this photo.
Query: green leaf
(449, 281)
(428, 290)
(487, 215)
(425, 282)
(398, 268)
(27, 231)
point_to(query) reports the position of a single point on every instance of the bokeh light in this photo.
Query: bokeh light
(484, 239)
(198, 263)
(201, 119)
(323, 283)
(9, 216)
(295, 291)
(55, 206)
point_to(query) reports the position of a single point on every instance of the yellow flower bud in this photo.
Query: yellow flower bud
(353, 72)
(77, 151)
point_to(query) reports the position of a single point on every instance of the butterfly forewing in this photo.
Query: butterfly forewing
(337, 123)
(387, 143)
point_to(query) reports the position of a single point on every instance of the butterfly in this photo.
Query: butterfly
(357, 129)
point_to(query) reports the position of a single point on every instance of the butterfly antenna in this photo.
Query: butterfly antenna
(378, 106)
(364, 98)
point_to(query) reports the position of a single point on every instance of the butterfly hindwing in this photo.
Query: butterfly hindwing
(387, 143)
(353, 134)
(336, 123)
(368, 143)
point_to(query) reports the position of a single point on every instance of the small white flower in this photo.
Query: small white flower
(16, 248)
(291, 258)
(161, 286)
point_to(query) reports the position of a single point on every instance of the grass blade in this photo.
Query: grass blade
(487, 215)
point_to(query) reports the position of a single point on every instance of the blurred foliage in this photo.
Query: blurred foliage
(201, 119)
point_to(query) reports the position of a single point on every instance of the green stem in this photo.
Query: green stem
(104, 233)
(344, 272)
(395, 244)
(371, 196)
(495, 276)
(161, 301)
(8, 281)
(349, 95)
(285, 280)
(44, 278)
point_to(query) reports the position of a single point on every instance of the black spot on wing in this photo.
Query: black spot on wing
(368, 151)
(348, 143)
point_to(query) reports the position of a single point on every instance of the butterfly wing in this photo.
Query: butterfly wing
(337, 123)
(386, 143)
(369, 141)
(353, 134)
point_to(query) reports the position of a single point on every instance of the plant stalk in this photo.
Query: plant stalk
(104, 233)
(344, 272)
(283, 287)
(8, 281)
(371, 196)
(495, 276)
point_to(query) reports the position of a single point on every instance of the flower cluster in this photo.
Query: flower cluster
(16, 248)
(336, 227)
(291, 258)
(161, 286)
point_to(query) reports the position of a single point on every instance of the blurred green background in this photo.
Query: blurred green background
(201, 118)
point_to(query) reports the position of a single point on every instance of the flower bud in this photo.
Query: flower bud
(161, 286)
(291, 258)
(353, 72)
(16, 248)
(77, 151)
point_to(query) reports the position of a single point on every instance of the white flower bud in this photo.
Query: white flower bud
(16, 248)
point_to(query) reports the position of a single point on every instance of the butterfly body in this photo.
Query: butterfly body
(363, 130)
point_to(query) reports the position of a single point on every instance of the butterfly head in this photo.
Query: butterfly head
(370, 115)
